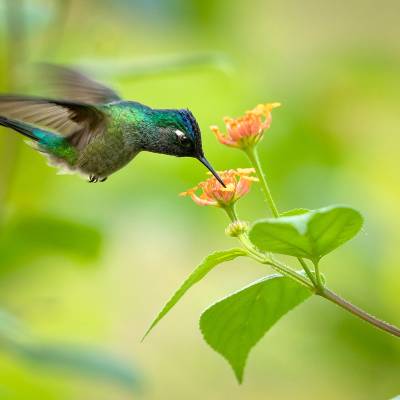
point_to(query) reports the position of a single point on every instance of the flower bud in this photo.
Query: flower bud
(237, 228)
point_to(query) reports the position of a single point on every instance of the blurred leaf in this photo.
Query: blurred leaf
(233, 325)
(295, 211)
(16, 339)
(79, 360)
(23, 237)
(309, 235)
(197, 275)
(157, 65)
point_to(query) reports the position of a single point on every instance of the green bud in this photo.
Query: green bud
(237, 228)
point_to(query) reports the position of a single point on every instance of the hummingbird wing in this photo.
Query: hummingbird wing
(70, 84)
(78, 122)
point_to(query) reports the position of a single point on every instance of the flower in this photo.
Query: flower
(237, 181)
(247, 130)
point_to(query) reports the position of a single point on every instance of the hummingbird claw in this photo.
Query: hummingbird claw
(95, 179)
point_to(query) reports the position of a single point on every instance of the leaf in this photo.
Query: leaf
(80, 360)
(17, 340)
(295, 211)
(26, 236)
(197, 275)
(308, 235)
(234, 325)
(166, 64)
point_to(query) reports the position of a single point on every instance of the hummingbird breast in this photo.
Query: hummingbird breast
(107, 153)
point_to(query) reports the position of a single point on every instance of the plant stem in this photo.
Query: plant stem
(262, 258)
(252, 154)
(317, 285)
(334, 298)
(255, 161)
(308, 272)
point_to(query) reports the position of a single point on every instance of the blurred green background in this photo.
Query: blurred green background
(85, 268)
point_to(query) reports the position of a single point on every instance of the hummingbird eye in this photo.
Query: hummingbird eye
(181, 136)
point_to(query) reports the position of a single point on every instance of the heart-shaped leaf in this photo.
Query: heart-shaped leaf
(198, 274)
(233, 325)
(310, 235)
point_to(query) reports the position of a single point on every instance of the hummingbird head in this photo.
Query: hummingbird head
(179, 135)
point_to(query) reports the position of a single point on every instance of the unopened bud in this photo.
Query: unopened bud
(237, 228)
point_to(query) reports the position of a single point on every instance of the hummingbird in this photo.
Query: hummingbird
(93, 131)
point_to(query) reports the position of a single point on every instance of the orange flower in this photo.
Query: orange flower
(247, 130)
(237, 181)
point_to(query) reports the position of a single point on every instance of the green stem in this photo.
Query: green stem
(261, 257)
(255, 161)
(308, 272)
(346, 305)
(317, 284)
(252, 154)
(231, 211)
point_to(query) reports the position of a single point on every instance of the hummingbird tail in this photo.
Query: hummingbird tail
(20, 127)
(43, 137)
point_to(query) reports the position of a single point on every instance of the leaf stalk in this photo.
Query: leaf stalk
(314, 280)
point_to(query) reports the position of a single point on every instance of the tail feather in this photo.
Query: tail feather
(20, 127)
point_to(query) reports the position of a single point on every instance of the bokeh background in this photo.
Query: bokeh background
(84, 268)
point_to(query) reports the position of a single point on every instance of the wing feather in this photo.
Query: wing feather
(79, 122)
(71, 84)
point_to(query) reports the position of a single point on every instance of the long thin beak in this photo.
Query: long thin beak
(204, 161)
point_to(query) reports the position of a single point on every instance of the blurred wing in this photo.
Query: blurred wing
(80, 123)
(72, 85)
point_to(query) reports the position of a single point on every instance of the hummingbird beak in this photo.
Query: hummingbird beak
(204, 161)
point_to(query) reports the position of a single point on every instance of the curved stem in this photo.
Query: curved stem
(262, 258)
(255, 161)
(308, 272)
(335, 298)
(319, 283)
(286, 270)
(252, 154)
(316, 282)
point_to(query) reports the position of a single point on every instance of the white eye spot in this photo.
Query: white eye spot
(180, 134)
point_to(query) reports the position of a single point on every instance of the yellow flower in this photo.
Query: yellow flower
(247, 130)
(237, 181)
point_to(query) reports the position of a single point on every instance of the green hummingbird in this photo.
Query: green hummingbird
(94, 132)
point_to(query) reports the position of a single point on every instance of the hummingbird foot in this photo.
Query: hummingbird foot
(95, 179)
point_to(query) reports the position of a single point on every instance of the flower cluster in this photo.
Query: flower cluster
(212, 193)
(247, 130)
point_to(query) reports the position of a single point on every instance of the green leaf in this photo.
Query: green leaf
(234, 325)
(308, 235)
(80, 360)
(26, 236)
(295, 211)
(197, 275)
(18, 341)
